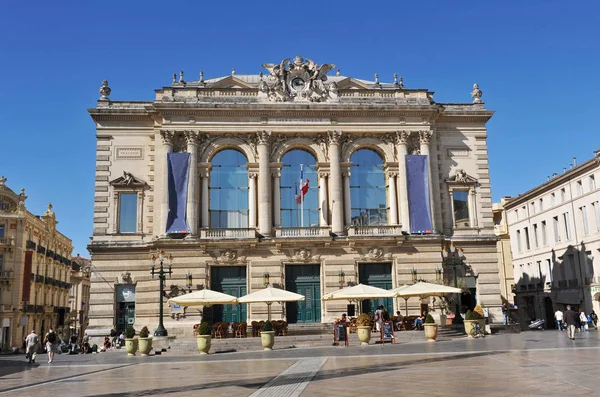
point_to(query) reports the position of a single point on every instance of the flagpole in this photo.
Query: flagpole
(301, 198)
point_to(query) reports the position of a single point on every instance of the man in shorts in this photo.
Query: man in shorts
(31, 343)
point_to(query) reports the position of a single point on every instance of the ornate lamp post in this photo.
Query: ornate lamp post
(452, 256)
(342, 278)
(160, 330)
(414, 275)
(189, 282)
(266, 280)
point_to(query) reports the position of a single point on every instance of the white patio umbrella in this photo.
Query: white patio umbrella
(269, 295)
(205, 297)
(401, 288)
(359, 293)
(423, 289)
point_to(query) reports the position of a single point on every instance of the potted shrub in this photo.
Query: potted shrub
(481, 316)
(363, 328)
(203, 337)
(431, 329)
(131, 344)
(471, 317)
(144, 342)
(267, 335)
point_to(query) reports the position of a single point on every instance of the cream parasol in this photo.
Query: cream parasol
(423, 289)
(359, 292)
(269, 295)
(205, 297)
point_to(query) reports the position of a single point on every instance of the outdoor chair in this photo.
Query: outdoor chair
(222, 331)
(255, 328)
(241, 330)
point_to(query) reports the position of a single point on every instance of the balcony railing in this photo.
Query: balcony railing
(228, 233)
(7, 241)
(6, 275)
(302, 232)
(381, 230)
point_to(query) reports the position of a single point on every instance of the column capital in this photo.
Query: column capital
(402, 137)
(276, 173)
(392, 174)
(167, 137)
(323, 174)
(263, 137)
(252, 175)
(425, 136)
(192, 137)
(334, 137)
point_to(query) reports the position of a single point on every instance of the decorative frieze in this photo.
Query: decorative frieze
(129, 153)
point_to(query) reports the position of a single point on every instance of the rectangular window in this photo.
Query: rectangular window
(556, 230)
(579, 188)
(584, 220)
(536, 243)
(567, 225)
(519, 241)
(592, 183)
(532, 208)
(596, 206)
(553, 199)
(461, 208)
(1, 262)
(549, 277)
(563, 195)
(517, 214)
(544, 233)
(127, 212)
(541, 204)
(1, 231)
(527, 245)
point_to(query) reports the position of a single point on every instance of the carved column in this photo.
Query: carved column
(205, 200)
(252, 199)
(393, 215)
(425, 139)
(193, 188)
(402, 138)
(264, 183)
(472, 207)
(337, 194)
(276, 197)
(347, 199)
(323, 200)
(167, 143)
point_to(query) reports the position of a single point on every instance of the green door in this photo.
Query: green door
(304, 280)
(377, 275)
(230, 280)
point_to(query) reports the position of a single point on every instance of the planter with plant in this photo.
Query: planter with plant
(363, 328)
(267, 335)
(145, 342)
(472, 317)
(203, 337)
(131, 344)
(431, 329)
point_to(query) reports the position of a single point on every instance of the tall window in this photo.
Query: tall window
(533, 208)
(596, 206)
(541, 204)
(1, 262)
(127, 212)
(1, 231)
(592, 183)
(563, 195)
(527, 245)
(535, 235)
(549, 277)
(584, 219)
(461, 207)
(553, 199)
(519, 249)
(229, 190)
(556, 230)
(579, 188)
(367, 189)
(567, 226)
(544, 233)
(291, 189)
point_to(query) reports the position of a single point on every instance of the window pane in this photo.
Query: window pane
(1, 231)
(461, 207)
(290, 188)
(229, 190)
(367, 189)
(127, 212)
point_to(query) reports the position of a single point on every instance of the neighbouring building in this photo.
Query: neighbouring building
(554, 231)
(79, 294)
(35, 266)
(310, 181)
(505, 265)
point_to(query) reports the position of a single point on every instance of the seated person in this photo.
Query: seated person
(86, 343)
(418, 324)
(399, 319)
(107, 343)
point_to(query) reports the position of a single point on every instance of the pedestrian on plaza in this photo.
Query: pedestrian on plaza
(122, 339)
(594, 318)
(583, 320)
(505, 313)
(113, 338)
(86, 343)
(49, 341)
(31, 343)
(558, 315)
(570, 318)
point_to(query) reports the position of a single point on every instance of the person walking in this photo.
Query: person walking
(583, 319)
(49, 341)
(570, 318)
(113, 339)
(558, 315)
(505, 313)
(31, 343)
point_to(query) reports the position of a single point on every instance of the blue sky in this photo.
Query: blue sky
(537, 63)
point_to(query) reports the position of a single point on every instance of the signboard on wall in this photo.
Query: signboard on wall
(126, 293)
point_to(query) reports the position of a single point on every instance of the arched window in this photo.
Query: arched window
(291, 190)
(229, 190)
(367, 189)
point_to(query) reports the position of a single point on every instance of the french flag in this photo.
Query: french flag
(303, 191)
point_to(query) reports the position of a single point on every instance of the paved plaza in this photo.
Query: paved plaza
(543, 363)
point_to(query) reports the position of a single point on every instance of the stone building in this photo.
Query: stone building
(79, 294)
(34, 270)
(505, 265)
(309, 180)
(555, 242)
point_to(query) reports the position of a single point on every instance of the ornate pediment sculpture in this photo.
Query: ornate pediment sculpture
(127, 180)
(300, 81)
(461, 177)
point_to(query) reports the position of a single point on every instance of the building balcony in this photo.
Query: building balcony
(228, 233)
(382, 230)
(7, 242)
(6, 275)
(302, 232)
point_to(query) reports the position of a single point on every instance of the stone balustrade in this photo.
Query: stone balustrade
(374, 230)
(302, 232)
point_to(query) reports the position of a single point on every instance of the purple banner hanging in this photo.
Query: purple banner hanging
(178, 166)
(417, 180)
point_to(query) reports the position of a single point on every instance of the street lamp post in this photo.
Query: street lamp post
(162, 273)
(452, 256)
(190, 285)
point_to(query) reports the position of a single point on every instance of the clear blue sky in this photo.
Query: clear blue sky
(537, 63)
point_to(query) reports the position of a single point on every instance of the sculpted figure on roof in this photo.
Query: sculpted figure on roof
(302, 81)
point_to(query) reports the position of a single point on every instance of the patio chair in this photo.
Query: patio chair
(241, 330)
(255, 328)
(222, 331)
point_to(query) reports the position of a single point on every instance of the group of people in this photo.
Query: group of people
(575, 321)
(31, 345)
(113, 341)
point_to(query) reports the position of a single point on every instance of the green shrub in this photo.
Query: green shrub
(204, 328)
(267, 326)
(129, 332)
(363, 320)
(144, 332)
(429, 319)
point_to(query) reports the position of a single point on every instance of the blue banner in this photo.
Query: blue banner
(417, 180)
(178, 166)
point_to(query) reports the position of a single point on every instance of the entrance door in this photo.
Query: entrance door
(550, 323)
(376, 275)
(125, 304)
(229, 280)
(304, 280)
